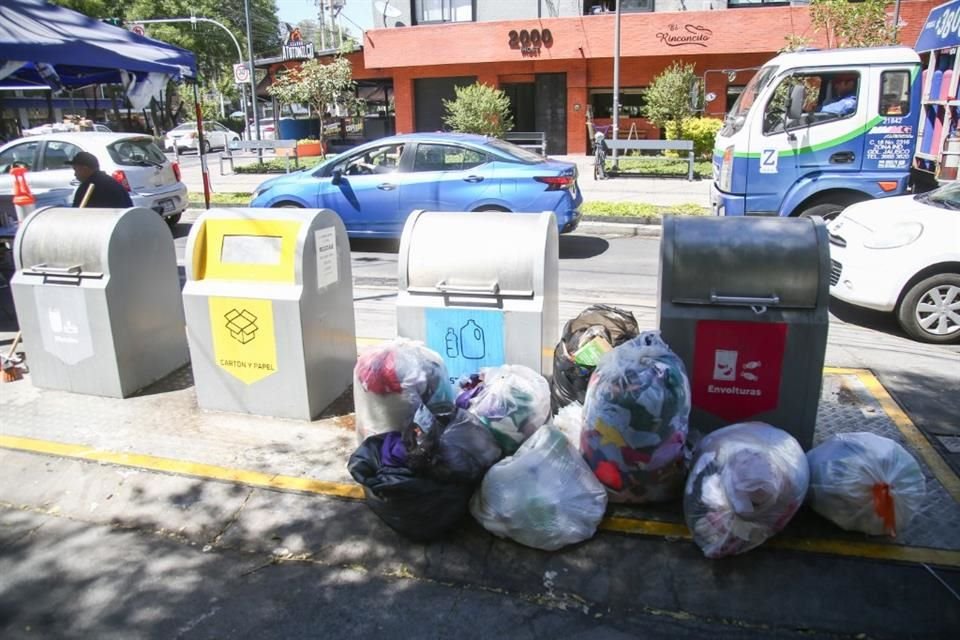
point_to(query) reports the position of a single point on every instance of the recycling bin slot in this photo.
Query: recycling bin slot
(744, 304)
(480, 288)
(99, 304)
(269, 310)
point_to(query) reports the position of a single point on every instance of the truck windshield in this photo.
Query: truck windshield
(738, 114)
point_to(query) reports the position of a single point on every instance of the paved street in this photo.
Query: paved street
(147, 518)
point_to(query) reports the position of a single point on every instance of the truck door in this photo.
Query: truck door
(830, 135)
(771, 163)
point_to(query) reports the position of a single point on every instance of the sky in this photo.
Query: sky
(360, 12)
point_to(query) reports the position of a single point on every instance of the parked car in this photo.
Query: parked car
(375, 186)
(902, 255)
(132, 159)
(185, 136)
(64, 127)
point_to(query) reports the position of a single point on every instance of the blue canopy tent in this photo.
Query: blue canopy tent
(37, 37)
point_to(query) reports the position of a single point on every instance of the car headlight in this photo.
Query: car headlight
(894, 236)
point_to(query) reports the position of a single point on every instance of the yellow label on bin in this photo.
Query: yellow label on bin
(244, 343)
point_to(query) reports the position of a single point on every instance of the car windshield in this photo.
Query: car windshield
(517, 153)
(136, 152)
(947, 196)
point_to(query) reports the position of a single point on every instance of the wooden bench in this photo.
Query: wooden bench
(532, 140)
(656, 145)
(248, 147)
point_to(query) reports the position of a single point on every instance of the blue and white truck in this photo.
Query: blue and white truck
(784, 150)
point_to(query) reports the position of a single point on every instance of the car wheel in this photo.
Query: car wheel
(930, 311)
(286, 205)
(173, 220)
(827, 210)
(206, 146)
(492, 207)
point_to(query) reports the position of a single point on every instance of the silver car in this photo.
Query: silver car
(215, 136)
(132, 159)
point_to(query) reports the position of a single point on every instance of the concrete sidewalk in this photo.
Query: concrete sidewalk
(656, 191)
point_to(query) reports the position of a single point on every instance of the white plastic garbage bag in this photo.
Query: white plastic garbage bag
(865, 482)
(635, 421)
(513, 401)
(569, 420)
(747, 482)
(394, 379)
(544, 496)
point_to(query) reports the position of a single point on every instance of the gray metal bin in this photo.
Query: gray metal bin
(97, 294)
(269, 309)
(743, 302)
(480, 288)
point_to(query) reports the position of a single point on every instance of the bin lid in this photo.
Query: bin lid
(478, 253)
(78, 240)
(776, 262)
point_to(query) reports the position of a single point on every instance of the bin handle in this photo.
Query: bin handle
(492, 289)
(746, 301)
(44, 268)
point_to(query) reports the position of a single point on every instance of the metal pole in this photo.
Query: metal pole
(253, 82)
(616, 85)
(896, 19)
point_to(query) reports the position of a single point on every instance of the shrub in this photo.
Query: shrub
(308, 141)
(703, 132)
(478, 108)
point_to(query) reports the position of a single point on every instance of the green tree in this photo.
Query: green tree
(479, 108)
(668, 101)
(853, 24)
(319, 85)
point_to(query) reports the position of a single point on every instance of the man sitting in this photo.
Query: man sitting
(843, 100)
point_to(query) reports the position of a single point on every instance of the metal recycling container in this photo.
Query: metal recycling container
(480, 288)
(743, 302)
(97, 293)
(269, 310)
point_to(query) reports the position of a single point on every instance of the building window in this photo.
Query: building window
(733, 92)
(746, 4)
(632, 102)
(428, 11)
(594, 7)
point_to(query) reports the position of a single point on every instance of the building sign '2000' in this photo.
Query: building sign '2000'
(529, 41)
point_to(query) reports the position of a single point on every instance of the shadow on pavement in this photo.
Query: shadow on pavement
(876, 320)
(574, 247)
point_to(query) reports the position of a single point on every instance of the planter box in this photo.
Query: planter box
(310, 149)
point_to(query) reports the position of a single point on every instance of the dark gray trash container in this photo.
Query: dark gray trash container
(743, 302)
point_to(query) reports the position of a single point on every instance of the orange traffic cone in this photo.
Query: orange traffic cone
(23, 200)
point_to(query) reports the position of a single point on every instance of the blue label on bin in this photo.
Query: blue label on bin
(466, 339)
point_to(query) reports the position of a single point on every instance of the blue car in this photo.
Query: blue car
(375, 186)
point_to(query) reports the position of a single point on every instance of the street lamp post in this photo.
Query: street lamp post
(194, 20)
(616, 85)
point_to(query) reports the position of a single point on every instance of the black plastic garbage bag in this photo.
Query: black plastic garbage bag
(450, 445)
(614, 326)
(416, 506)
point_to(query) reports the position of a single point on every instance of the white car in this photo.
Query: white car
(131, 158)
(215, 136)
(902, 255)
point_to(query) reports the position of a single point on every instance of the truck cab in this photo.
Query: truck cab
(815, 131)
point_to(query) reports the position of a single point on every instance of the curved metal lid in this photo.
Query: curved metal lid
(484, 253)
(741, 261)
(66, 238)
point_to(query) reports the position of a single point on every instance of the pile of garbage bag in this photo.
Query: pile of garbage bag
(585, 339)
(544, 496)
(747, 482)
(635, 421)
(391, 381)
(865, 482)
(419, 481)
(512, 400)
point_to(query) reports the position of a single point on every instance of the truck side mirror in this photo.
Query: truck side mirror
(795, 102)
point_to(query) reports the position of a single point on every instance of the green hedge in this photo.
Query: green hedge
(703, 132)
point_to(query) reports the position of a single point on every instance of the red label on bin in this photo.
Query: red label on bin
(737, 367)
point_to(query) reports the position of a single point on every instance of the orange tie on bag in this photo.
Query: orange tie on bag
(883, 507)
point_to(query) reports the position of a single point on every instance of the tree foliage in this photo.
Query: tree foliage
(479, 108)
(322, 86)
(853, 24)
(668, 98)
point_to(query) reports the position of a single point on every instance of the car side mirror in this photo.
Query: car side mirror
(795, 102)
(337, 176)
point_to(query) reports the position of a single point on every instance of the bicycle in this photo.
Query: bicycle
(599, 156)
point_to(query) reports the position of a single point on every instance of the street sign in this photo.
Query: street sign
(241, 73)
(138, 29)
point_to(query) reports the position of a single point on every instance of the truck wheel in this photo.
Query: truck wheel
(930, 312)
(827, 210)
